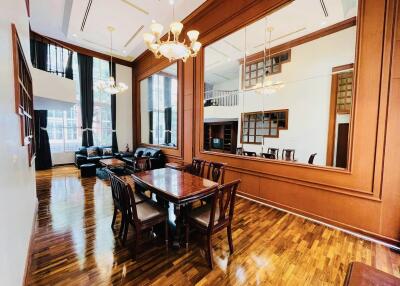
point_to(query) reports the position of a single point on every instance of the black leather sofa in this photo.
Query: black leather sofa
(156, 156)
(81, 156)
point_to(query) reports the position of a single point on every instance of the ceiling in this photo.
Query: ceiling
(65, 20)
(295, 20)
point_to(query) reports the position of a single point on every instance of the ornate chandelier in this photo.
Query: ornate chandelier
(172, 48)
(110, 86)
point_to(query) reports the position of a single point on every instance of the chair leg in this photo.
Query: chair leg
(209, 252)
(114, 218)
(187, 235)
(229, 230)
(121, 228)
(166, 233)
(126, 228)
(137, 242)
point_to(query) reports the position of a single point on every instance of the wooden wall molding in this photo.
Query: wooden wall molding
(363, 198)
(81, 50)
(345, 24)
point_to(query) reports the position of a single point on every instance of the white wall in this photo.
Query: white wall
(52, 86)
(307, 79)
(124, 108)
(17, 179)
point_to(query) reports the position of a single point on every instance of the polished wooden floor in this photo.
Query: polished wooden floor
(74, 245)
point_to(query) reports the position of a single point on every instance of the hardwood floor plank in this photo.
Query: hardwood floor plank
(74, 245)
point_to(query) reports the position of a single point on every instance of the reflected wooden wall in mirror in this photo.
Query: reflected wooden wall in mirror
(159, 108)
(285, 87)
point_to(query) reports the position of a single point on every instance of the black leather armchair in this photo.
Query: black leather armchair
(81, 156)
(156, 156)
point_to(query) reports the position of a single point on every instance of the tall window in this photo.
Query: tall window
(64, 131)
(102, 129)
(159, 114)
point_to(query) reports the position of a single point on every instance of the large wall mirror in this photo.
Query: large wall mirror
(159, 108)
(282, 88)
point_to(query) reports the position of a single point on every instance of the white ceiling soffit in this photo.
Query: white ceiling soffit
(84, 22)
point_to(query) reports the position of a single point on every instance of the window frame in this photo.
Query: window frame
(255, 134)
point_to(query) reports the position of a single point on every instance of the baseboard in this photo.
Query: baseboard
(388, 242)
(28, 260)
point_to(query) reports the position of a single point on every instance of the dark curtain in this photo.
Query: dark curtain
(39, 54)
(85, 64)
(113, 112)
(68, 68)
(167, 109)
(150, 109)
(43, 154)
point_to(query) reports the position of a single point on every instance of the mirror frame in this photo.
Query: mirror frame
(347, 23)
(363, 177)
(177, 151)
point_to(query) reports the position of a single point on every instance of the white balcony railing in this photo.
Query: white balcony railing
(221, 98)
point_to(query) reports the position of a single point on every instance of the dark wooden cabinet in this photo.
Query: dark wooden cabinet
(221, 136)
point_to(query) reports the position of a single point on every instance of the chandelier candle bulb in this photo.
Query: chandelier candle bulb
(172, 48)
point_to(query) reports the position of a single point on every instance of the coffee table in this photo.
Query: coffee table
(112, 163)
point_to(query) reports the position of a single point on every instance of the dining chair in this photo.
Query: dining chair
(216, 172)
(141, 216)
(197, 167)
(250, 153)
(268, 155)
(214, 217)
(288, 154)
(116, 192)
(142, 164)
(311, 159)
(274, 151)
(239, 151)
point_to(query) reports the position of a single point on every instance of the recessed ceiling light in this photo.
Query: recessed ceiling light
(74, 35)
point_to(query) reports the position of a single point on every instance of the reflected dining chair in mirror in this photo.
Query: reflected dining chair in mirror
(311, 159)
(239, 151)
(250, 153)
(215, 216)
(288, 154)
(268, 155)
(117, 186)
(274, 151)
(141, 216)
(197, 167)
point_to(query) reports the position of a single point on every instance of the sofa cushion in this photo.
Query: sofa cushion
(92, 152)
(106, 157)
(140, 151)
(107, 151)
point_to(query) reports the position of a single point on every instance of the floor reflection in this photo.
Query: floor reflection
(74, 245)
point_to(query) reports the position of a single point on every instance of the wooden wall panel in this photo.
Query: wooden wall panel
(365, 198)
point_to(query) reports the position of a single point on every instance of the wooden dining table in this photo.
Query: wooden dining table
(177, 187)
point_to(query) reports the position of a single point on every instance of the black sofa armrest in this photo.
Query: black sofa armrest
(80, 159)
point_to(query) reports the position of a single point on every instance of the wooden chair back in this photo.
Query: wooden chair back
(142, 164)
(274, 151)
(268, 155)
(288, 154)
(250, 153)
(216, 172)
(311, 159)
(129, 204)
(223, 200)
(197, 167)
(117, 186)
